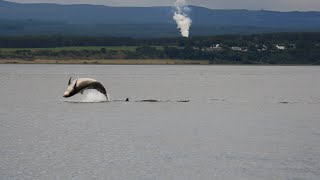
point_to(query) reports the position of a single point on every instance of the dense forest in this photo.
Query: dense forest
(275, 48)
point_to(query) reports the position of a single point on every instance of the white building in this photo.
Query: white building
(236, 48)
(261, 48)
(280, 47)
(214, 47)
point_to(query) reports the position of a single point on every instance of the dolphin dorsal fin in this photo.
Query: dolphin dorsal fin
(75, 84)
(69, 81)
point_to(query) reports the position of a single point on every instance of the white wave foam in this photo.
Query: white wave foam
(92, 95)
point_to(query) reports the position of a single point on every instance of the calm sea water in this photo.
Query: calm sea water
(242, 122)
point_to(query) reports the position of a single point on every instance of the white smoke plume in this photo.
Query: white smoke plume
(181, 17)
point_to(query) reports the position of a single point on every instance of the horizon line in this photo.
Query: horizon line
(199, 6)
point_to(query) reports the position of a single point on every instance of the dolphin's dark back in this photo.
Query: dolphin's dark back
(95, 85)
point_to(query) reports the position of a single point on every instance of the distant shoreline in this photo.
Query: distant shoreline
(259, 49)
(134, 62)
(109, 62)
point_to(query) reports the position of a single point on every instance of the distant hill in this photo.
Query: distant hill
(97, 20)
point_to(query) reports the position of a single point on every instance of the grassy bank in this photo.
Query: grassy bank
(108, 61)
(76, 48)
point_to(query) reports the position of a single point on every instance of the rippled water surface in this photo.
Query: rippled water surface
(234, 122)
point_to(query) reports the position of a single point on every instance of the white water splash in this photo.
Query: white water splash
(92, 95)
(181, 17)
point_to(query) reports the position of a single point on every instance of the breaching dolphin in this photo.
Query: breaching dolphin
(81, 84)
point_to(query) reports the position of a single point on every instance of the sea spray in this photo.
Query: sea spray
(181, 17)
(92, 95)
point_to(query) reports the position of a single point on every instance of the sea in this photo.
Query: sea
(182, 122)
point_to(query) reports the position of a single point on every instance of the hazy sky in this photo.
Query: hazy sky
(279, 5)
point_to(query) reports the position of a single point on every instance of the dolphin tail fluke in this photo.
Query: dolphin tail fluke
(107, 97)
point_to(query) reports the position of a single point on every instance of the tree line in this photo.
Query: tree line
(259, 48)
